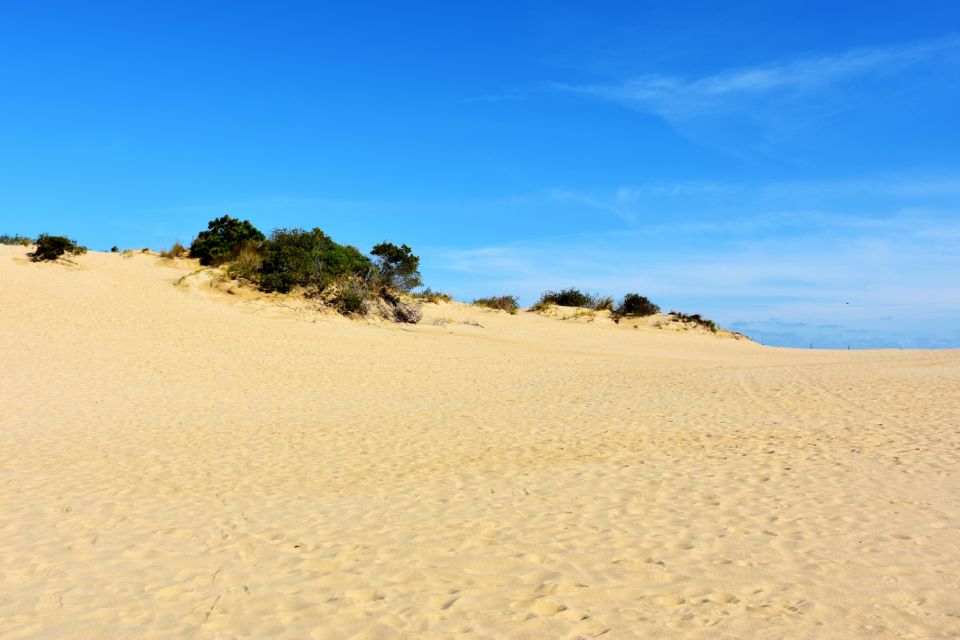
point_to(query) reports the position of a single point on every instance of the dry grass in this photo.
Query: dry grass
(429, 295)
(176, 251)
(247, 265)
(15, 240)
(510, 304)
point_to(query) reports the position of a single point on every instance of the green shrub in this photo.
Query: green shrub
(697, 319)
(398, 267)
(429, 295)
(297, 258)
(349, 298)
(510, 304)
(15, 240)
(223, 239)
(52, 247)
(567, 298)
(634, 306)
(114, 249)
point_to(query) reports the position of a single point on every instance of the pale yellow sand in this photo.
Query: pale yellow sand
(180, 464)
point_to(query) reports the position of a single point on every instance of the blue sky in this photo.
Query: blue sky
(791, 169)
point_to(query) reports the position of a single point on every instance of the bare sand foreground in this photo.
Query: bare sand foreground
(180, 464)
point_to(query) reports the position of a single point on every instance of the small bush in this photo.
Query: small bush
(223, 239)
(510, 304)
(697, 319)
(634, 306)
(603, 304)
(429, 295)
(114, 249)
(567, 298)
(398, 267)
(176, 251)
(15, 240)
(53, 247)
(349, 298)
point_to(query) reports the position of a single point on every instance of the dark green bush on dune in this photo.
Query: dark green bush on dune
(635, 305)
(697, 319)
(337, 275)
(298, 258)
(567, 298)
(397, 266)
(223, 240)
(350, 298)
(573, 297)
(53, 247)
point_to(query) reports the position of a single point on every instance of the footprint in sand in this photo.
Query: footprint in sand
(547, 607)
(668, 600)
(722, 598)
(49, 603)
(364, 595)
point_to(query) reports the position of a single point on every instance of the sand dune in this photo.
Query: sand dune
(181, 463)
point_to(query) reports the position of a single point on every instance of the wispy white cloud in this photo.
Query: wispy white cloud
(677, 98)
(732, 206)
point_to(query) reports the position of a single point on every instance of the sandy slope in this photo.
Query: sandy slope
(177, 464)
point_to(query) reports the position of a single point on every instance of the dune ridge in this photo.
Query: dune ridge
(182, 463)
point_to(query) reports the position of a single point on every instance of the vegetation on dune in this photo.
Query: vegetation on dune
(567, 298)
(340, 276)
(510, 304)
(308, 259)
(175, 251)
(15, 240)
(695, 318)
(573, 297)
(246, 266)
(398, 268)
(223, 240)
(311, 262)
(634, 305)
(53, 247)
(603, 304)
(350, 298)
(429, 295)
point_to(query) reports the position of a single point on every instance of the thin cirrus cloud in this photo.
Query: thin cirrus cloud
(799, 81)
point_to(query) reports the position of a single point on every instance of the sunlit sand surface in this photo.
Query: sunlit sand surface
(181, 463)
